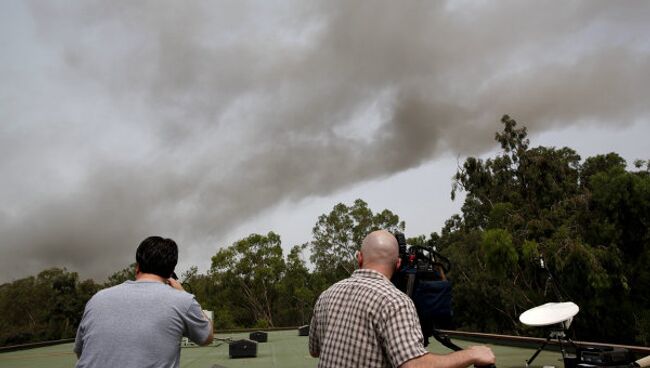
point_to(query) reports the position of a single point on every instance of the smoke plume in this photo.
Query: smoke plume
(124, 119)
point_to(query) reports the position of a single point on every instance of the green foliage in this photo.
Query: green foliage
(610, 163)
(127, 273)
(590, 221)
(530, 250)
(499, 251)
(254, 265)
(642, 324)
(338, 236)
(298, 289)
(262, 323)
(46, 307)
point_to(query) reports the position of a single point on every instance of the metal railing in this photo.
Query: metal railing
(533, 341)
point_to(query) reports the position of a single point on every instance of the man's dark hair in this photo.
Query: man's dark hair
(157, 255)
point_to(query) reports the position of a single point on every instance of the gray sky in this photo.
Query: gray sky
(206, 121)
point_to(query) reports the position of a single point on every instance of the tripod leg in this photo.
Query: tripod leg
(530, 360)
(444, 340)
(570, 359)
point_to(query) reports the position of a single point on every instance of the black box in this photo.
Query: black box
(243, 349)
(584, 365)
(258, 336)
(303, 330)
(605, 356)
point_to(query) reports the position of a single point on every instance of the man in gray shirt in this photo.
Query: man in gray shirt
(140, 323)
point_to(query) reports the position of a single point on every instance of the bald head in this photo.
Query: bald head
(379, 249)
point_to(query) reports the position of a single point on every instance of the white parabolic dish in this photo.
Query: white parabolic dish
(549, 314)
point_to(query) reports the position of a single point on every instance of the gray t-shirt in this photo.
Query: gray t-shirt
(138, 324)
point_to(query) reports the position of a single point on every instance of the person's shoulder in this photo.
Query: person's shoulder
(395, 298)
(333, 288)
(341, 282)
(107, 294)
(337, 285)
(159, 288)
(179, 296)
(183, 295)
(142, 288)
(109, 291)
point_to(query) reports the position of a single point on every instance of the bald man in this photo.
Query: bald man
(364, 321)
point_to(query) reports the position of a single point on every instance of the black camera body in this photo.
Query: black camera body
(422, 276)
(419, 263)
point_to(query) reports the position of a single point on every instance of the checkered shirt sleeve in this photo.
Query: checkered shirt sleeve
(400, 329)
(314, 347)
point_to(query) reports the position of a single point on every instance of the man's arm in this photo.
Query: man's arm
(78, 343)
(477, 355)
(314, 344)
(402, 335)
(210, 337)
(79, 337)
(177, 285)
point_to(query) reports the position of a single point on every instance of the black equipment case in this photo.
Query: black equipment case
(243, 349)
(604, 357)
(258, 336)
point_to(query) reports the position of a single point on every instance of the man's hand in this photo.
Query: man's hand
(175, 284)
(482, 355)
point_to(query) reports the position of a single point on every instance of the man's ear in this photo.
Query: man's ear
(360, 258)
(398, 264)
(137, 268)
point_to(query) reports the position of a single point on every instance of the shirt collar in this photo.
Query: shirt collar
(369, 274)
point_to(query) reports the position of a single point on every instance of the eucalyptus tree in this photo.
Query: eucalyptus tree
(337, 236)
(251, 268)
(589, 221)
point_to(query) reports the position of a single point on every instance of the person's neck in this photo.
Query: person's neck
(141, 276)
(386, 271)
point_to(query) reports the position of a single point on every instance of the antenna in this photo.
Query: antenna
(550, 281)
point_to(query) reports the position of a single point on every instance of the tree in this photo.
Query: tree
(338, 236)
(254, 266)
(127, 273)
(23, 311)
(46, 307)
(589, 221)
(297, 290)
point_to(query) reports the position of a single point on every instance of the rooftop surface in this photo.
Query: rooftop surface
(284, 349)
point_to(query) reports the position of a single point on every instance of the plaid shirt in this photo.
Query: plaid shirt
(364, 321)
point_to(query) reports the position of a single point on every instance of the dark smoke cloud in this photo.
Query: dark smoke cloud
(187, 118)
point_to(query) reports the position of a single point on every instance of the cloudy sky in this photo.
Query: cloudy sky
(207, 121)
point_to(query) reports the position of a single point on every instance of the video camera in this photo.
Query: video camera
(419, 262)
(422, 276)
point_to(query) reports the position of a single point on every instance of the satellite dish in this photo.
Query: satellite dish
(550, 314)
